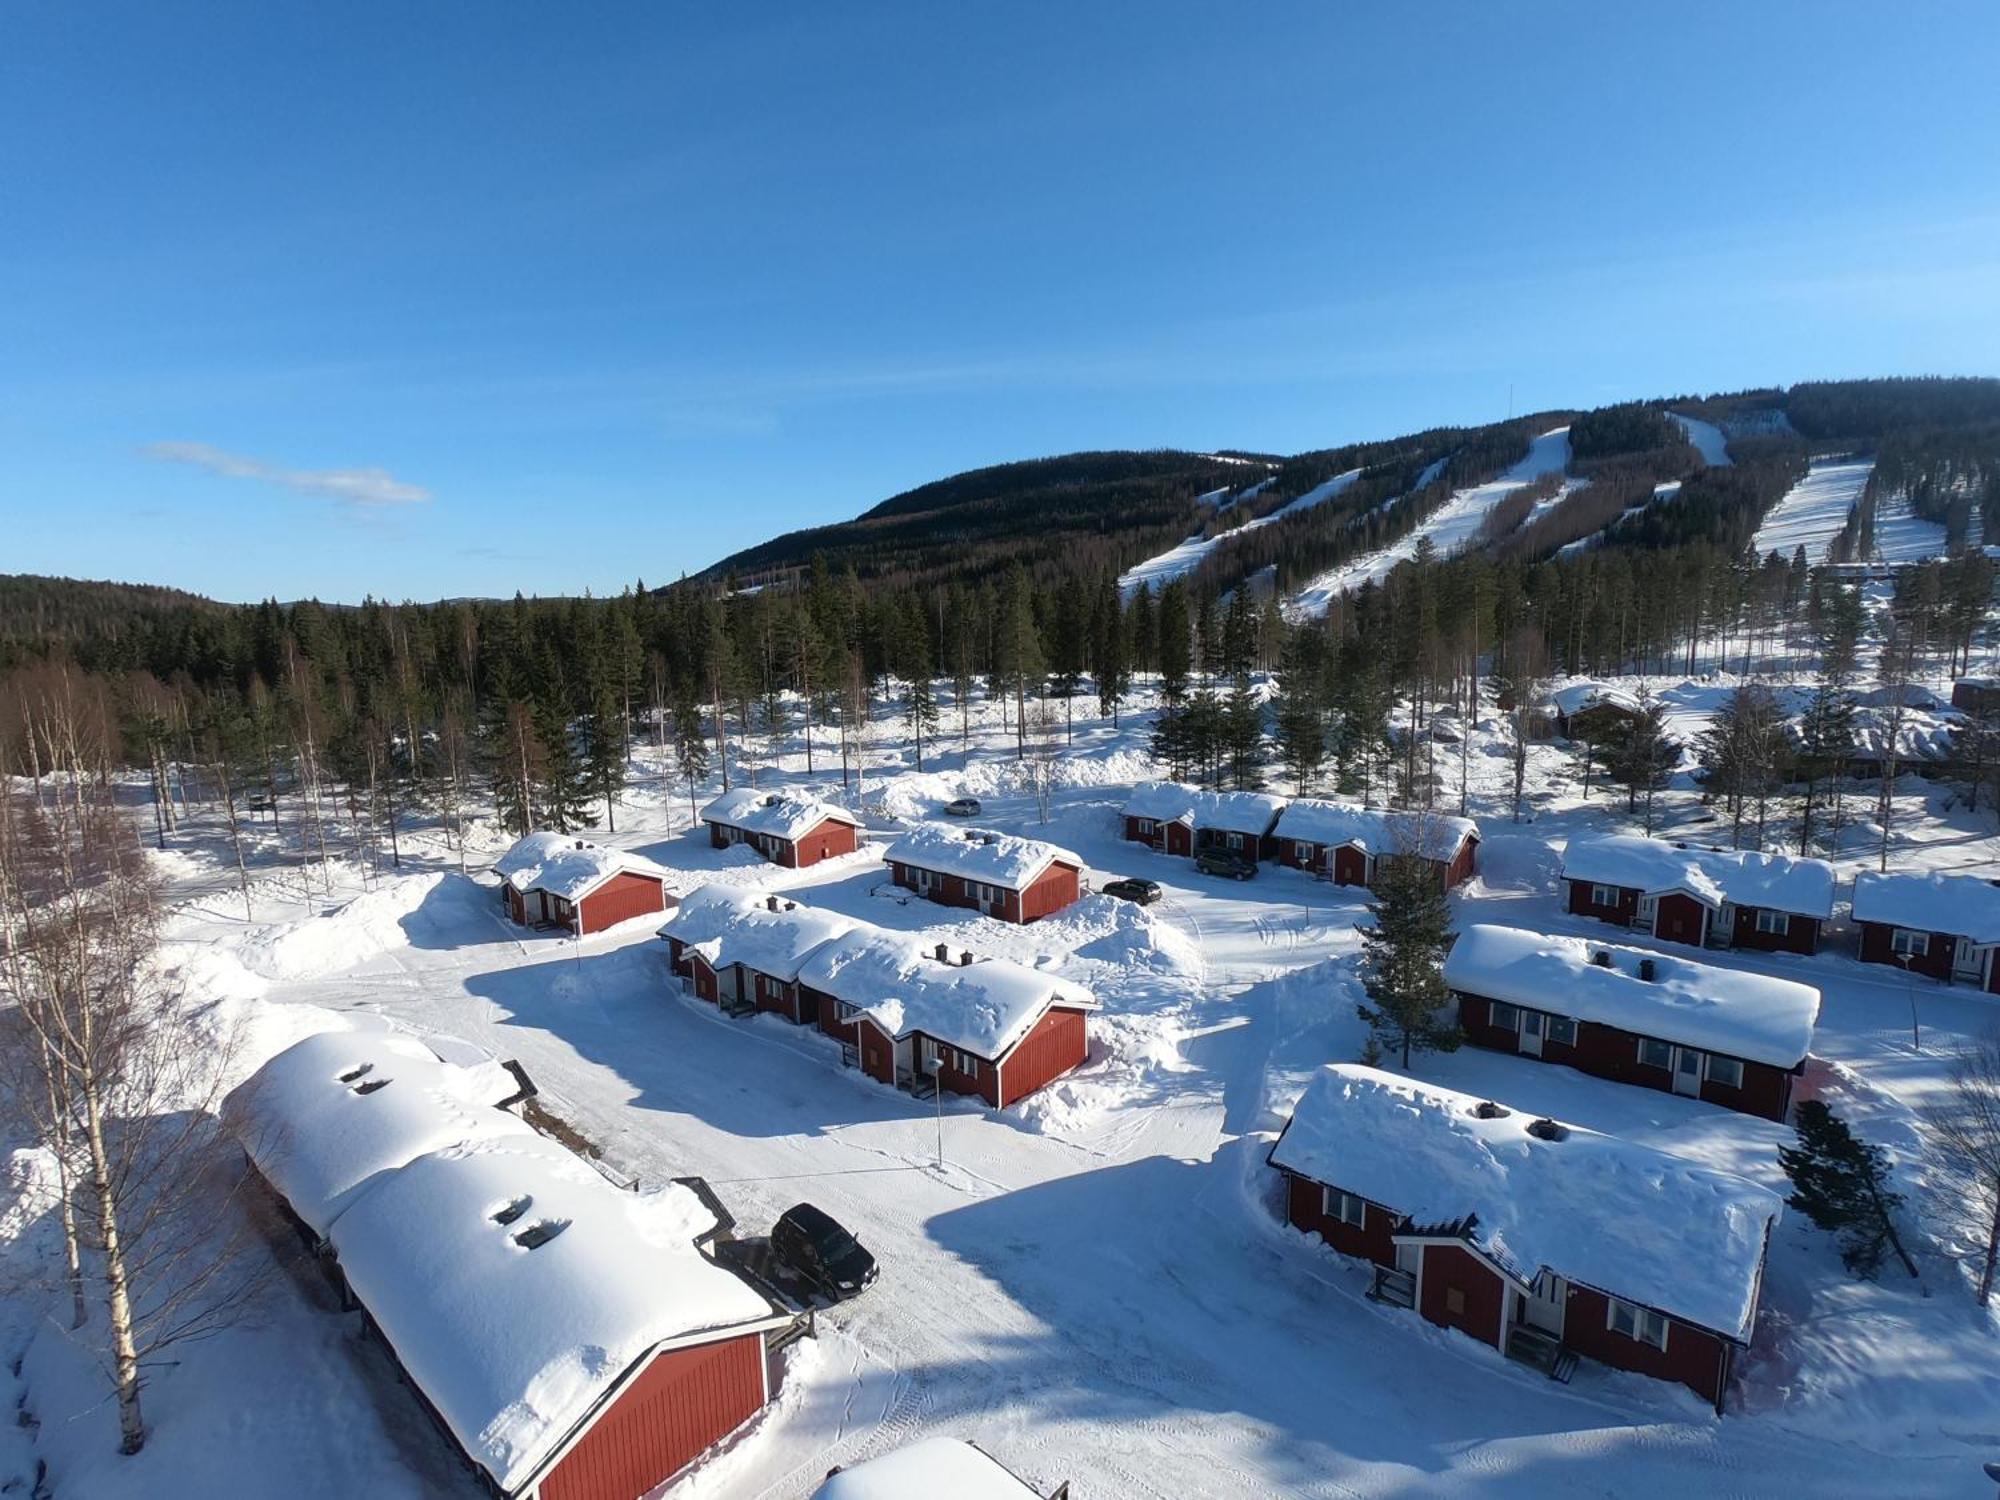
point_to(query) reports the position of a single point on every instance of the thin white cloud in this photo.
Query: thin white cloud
(356, 487)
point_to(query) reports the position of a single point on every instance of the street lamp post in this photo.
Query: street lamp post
(935, 1066)
(1916, 1037)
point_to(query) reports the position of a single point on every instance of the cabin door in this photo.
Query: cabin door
(1532, 1022)
(1649, 909)
(1543, 1306)
(1968, 962)
(1687, 1072)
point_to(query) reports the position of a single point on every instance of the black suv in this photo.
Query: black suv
(1145, 892)
(811, 1245)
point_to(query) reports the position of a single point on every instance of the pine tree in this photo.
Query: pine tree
(1109, 659)
(1746, 752)
(690, 748)
(565, 790)
(1402, 960)
(1242, 731)
(604, 750)
(1641, 758)
(1301, 706)
(921, 713)
(1841, 1183)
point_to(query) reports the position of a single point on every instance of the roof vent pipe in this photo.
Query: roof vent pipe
(1486, 1109)
(1602, 958)
(1646, 970)
(965, 959)
(1546, 1129)
(770, 903)
(944, 953)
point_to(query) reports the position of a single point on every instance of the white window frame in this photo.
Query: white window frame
(1640, 1324)
(1665, 1047)
(1302, 850)
(1511, 1012)
(1603, 895)
(1773, 923)
(1345, 1206)
(1907, 942)
(1147, 826)
(1719, 1067)
(1549, 1030)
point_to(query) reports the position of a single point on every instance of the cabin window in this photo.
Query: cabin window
(1907, 944)
(1655, 1054)
(1773, 923)
(960, 1062)
(1505, 1016)
(1303, 852)
(1726, 1071)
(1560, 1029)
(1604, 895)
(1641, 1324)
(1346, 1207)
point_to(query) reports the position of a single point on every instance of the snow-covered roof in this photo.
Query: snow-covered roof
(1237, 812)
(978, 854)
(1908, 694)
(924, 1470)
(1578, 696)
(1746, 877)
(785, 814)
(1374, 830)
(1751, 1016)
(729, 925)
(1162, 801)
(1617, 1216)
(515, 1345)
(328, 1116)
(984, 1007)
(567, 866)
(1963, 905)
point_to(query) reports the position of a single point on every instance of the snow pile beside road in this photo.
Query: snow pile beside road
(359, 929)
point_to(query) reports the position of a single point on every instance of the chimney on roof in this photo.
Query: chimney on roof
(1486, 1109)
(1602, 958)
(1546, 1129)
(791, 906)
(580, 844)
(770, 903)
(944, 953)
(1646, 970)
(965, 958)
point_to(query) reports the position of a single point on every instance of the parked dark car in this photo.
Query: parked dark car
(962, 807)
(1225, 862)
(1145, 892)
(810, 1244)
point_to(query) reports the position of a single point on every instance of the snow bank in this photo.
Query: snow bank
(925, 1470)
(512, 1341)
(357, 930)
(1731, 1011)
(1620, 1217)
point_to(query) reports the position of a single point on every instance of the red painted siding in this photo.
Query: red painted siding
(622, 897)
(517, 908)
(706, 985)
(1373, 1240)
(1612, 1052)
(1137, 831)
(1055, 888)
(1484, 1295)
(878, 1052)
(1180, 839)
(1680, 919)
(1801, 934)
(680, 1406)
(1350, 866)
(1463, 864)
(1623, 911)
(1695, 1357)
(830, 839)
(1055, 1044)
(828, 1010)
(1052, 890)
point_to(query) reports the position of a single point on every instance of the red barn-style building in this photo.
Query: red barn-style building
(1943, 926)
(560, 880)
(1720, 898)
(791, 829)
(1550, 1242)
(1348, 844)
(1734, 1039)
(1001, 876)
(925, 1017)
(623, 1353)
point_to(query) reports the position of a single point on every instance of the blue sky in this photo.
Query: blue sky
(426, 300)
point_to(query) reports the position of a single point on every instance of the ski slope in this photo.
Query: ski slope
(1178, 562)
(1902, 536)
(1707, 438)
(1813, 511)
(1450, 528)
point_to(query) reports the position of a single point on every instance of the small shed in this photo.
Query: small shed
(1160, 814)
(789, 828)
(996, 874)
(561, 880)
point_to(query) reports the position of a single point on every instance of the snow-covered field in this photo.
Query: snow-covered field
(1812, 512)
(1177, 562)
(1449, 528)
(1095, 1286)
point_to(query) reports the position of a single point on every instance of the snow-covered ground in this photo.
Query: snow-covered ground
(1177, 562)
(1097, 1285)
(1708, 439)
(1449, 528)
(1813, 511)
(1901, 536)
